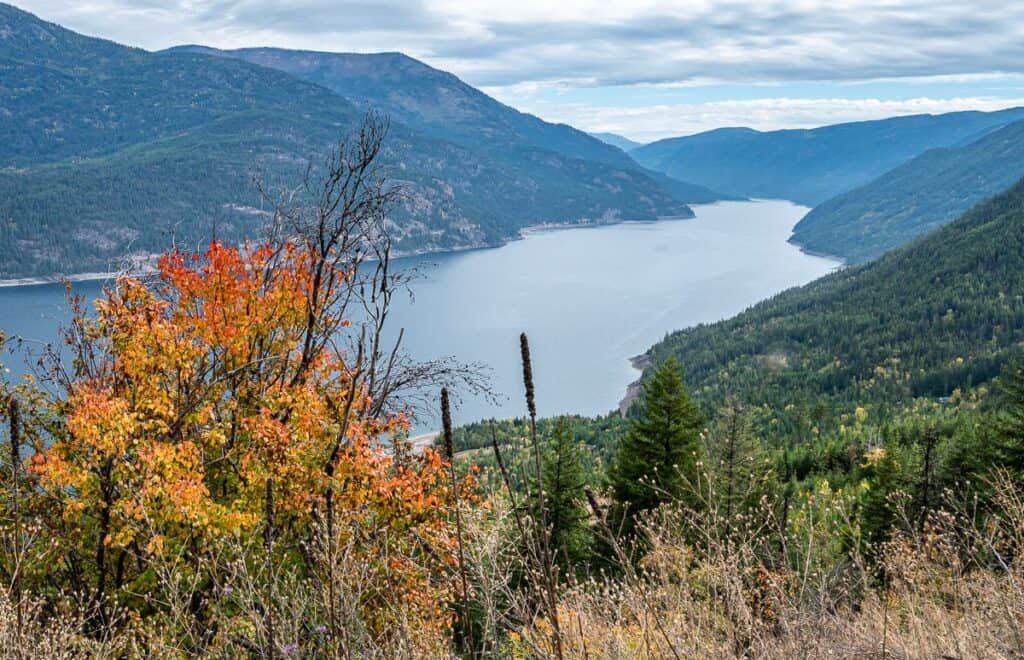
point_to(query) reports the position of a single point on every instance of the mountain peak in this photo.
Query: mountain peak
(27, 37)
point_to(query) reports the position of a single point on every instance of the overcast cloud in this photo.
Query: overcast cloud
(540, 54)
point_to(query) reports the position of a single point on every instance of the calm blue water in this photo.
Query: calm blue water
(589, 299)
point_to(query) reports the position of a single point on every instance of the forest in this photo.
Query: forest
(921, 194)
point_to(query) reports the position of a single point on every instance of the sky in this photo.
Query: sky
(641, 68)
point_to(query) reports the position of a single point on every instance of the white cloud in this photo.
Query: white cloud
(519, 48)
(650, 123)
(596, 42)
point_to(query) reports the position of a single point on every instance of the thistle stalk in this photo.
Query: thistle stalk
(542, 536)
(449, 450)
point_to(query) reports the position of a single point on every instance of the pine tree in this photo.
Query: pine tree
(564, 481)
(1009, 419)
(658, 459)
(743, 471)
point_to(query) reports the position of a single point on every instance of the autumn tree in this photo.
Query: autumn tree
(191, 394)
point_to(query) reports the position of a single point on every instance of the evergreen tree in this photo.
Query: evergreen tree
(564, 481)
(884, 468)
(743, 471)
(658, 458)
(1009, 419)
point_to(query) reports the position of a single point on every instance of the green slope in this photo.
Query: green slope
(106, 149)
(811, 166)
(914, 198)
(942, 313)
(439, 104)
(427, 99)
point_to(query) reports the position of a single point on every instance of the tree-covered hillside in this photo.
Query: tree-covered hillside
(441, 105)
(914, 198)
(106, 149)
(425, 98)
(942, 313)
(811, 166)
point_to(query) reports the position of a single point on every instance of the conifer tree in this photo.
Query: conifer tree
(743, 472)
(879, 506)
(564, 482)
(658, 459)
(1009, 419)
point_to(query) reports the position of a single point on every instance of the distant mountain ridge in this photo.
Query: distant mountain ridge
(619, 141)
(809, 166)
(106, 149)
(441, 105)
(422, 97)
(914, 198)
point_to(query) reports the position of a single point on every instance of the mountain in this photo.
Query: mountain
(914, 198)
(809, 166)
(941, 313)
(439, 104)
(106, 149)
(619, 141)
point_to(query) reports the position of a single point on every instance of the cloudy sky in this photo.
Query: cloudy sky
(643, 68)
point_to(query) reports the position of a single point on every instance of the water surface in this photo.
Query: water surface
(589, 298)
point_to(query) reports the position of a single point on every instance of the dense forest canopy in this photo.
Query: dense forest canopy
(940, 315)
(915, 198)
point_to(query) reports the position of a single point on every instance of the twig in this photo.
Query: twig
(446, 425)
(543, 537)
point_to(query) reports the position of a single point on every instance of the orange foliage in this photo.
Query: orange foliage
(210, 388)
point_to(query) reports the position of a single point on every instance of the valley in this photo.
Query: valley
(511, 330)
(592, 297)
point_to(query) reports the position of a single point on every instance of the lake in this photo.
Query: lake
(589, 298)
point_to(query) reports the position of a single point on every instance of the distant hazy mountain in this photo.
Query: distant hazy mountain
(441, 105)
(810, 166)
(106, 149)
(923, 193)
(619, 141)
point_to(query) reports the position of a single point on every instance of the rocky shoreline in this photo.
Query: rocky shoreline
(640, 363)
(398, 254)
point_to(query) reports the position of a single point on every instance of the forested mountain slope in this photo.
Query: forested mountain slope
(942, 313)
(425, 98)
(441, 105)
(106, 149)
(914, 198)
(809, 166)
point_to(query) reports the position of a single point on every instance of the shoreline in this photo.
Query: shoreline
(640, 363)
(543, 227)
(418, 443)
(521, 234)
(57, 279)
(841, 261)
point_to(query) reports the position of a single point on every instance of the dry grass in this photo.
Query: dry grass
(951, 592)
(749, 588)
